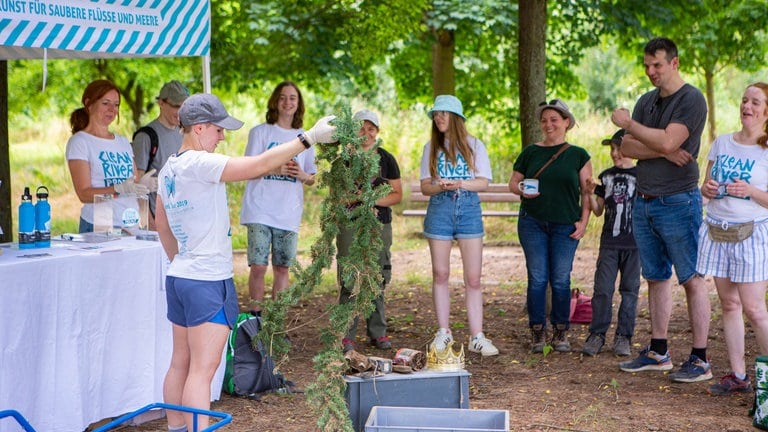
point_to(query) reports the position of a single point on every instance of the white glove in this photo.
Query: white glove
(322, 131)
(148, 181)
(130, 187)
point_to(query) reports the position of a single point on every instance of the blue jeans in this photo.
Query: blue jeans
(549, 252)
(611, 262)
(667, 234)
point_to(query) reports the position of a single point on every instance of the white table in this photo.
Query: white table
(83, 333)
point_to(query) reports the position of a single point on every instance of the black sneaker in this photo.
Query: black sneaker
(622, 346)
(593, 344)
(729, 385)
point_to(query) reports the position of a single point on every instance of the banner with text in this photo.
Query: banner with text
(115, 28)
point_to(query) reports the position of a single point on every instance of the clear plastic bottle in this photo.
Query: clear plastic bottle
(26, 221)
(42, 218)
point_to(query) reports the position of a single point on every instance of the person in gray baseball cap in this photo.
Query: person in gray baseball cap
(554, 216)
(192, 198)
(156, 141)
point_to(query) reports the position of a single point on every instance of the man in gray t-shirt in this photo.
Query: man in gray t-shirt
(664, 135)
(166, 128)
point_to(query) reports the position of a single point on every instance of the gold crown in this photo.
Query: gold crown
(445, 360)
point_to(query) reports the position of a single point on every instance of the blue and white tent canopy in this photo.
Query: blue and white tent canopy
(32, 29)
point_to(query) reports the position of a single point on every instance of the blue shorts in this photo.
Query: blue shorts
(667, 234)
(454, 215)
(263, 238)
(193, 302)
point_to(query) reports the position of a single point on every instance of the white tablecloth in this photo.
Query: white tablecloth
(83, 333)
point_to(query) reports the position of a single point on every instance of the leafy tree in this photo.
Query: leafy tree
(314, 42)
(717, 34)
(532, 70)
(139, 81)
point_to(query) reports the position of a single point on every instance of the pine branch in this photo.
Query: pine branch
(349, 204)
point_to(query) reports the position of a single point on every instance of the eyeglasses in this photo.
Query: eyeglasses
(440, 113)
(552, 102)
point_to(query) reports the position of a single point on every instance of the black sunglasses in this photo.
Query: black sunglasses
(552, 102)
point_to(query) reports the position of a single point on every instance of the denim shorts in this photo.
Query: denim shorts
(193, 302)
(262, 238)
(667, 234)
(454, 215)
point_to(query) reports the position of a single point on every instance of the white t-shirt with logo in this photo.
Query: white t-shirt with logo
(734, 161)
(275, 200)
(459, 170)
(111, 162)
(195, 203)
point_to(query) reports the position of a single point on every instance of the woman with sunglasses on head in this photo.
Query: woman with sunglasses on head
(552, 220)
(454, 168)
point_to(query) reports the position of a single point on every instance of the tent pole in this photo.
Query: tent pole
(207, 73)
(5, 160)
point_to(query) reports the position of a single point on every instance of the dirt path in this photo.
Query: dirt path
(557, 392)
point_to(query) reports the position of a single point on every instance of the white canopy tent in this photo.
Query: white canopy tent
(90, 29)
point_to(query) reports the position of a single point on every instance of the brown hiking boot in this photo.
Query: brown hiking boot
(538, 338)
(560, 339)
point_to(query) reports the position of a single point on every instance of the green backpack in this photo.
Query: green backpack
(250, 369)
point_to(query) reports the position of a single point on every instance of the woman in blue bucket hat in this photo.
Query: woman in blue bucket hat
(454, 168)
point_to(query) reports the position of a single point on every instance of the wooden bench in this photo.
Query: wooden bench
(496, 193)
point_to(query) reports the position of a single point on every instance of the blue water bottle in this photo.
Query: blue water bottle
(26, 221)
(42, 218)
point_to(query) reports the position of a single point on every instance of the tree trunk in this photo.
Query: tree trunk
(532, 71)
(443, 73)
(711, 118)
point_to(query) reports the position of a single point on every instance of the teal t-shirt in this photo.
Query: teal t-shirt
(559, 199)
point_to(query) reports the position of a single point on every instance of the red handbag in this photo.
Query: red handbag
(581, 307)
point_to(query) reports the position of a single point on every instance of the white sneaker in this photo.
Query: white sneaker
(483, 345)
(442, 338)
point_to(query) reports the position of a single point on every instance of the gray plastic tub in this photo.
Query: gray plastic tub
(408, 419)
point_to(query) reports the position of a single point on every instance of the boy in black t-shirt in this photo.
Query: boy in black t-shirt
(618, 252)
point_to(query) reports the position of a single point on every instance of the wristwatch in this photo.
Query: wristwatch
(304, 141)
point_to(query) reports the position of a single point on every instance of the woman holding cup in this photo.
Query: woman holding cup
(551, 177)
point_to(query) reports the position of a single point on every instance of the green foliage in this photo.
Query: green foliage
(724, 33)
(312, 42)
(139, 81)
(349, 204)
(607, 78)
(573, 27)
(486, 36)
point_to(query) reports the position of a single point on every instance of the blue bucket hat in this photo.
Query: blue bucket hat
(447, 103)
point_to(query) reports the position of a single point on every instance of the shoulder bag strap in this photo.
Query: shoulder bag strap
(552, 159)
